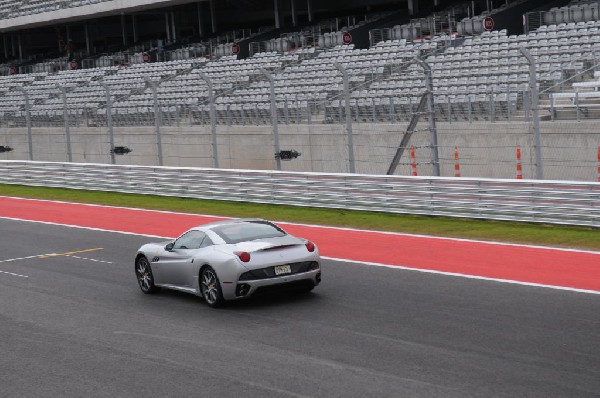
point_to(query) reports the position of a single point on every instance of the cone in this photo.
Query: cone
(519, 165)
(413, 161)
(456, 163)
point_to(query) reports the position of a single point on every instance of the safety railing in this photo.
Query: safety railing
(554, 202)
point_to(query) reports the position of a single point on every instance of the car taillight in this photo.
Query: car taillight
(310, 246)
(243, 256)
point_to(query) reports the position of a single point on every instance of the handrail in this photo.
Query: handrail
(553, 202)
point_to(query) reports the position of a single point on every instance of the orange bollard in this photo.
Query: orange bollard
(456, 163)
(519, 165)
(413, 161)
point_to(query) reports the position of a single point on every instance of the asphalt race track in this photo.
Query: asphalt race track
(73, 322)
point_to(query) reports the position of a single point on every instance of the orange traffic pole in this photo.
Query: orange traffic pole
(598, 163)
(456, 163)
(519, 165)
(413, 161)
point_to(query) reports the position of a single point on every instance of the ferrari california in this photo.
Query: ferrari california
(229, 260)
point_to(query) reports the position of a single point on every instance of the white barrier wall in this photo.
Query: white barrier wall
(557, 202)
(487, 150)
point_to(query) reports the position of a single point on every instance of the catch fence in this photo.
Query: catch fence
(476, 123)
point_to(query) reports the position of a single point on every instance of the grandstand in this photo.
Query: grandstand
(479, 73)
(470, 72)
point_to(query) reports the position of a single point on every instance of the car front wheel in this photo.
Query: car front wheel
(143, 272)
(211, 288)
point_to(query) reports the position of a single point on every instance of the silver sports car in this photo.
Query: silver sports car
(228, 260)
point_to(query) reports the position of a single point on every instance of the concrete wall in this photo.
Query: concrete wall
(486, 149)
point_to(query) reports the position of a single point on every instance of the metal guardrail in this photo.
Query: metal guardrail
(555, 202)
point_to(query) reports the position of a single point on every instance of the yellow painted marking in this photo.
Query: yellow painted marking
(69, 253)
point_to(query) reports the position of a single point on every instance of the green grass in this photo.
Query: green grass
(546, 235)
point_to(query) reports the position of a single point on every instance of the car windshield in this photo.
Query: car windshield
(246, 231)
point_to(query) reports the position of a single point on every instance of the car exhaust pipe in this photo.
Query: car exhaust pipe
(242, 289)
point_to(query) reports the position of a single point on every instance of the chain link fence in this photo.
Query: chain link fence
(402, 118)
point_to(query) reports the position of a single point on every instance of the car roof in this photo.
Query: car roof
(227, 222)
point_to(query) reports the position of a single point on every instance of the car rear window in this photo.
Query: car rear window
(246, 231)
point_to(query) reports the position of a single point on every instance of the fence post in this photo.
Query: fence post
(348, 116)
(470, 110)
(213, 117)
(154, 86)
(508, 106)
(274, 120)
(63, 92)
(539, 172)
(27, 120)
(435, 159)
(492, 109)
(111, 137)
(577, 105)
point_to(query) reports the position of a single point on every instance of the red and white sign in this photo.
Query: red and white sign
(146, 57)
(488, 23)
(346, 38)
(235, 49)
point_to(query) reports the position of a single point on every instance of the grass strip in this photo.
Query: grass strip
(501, 231)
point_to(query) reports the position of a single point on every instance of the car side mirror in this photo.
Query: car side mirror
(169, 247)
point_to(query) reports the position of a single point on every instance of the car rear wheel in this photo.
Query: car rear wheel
(143, 272)
(211, 288)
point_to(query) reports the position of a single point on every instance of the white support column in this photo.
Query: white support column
(5, 42)
(20, 47)
(123, 29)
(309, 10)
(167, 28)
(200, 26)
(173, 28)
(213, 17)
(88, 46)
(294, 16)
(411, 7)
(134, 28)
(276, 12)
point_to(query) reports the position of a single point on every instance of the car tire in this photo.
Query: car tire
(210, 287)
(143, 272)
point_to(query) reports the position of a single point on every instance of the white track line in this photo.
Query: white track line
(17, 259)
(21, 258)
(13, 274)
(89, 259)
(314, 226)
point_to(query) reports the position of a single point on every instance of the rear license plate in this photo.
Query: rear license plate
(283, 269)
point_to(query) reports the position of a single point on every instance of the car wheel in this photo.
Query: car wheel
(211, 288)
(143, 272)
